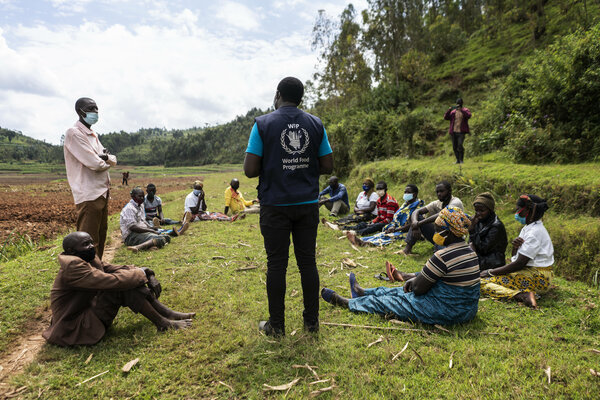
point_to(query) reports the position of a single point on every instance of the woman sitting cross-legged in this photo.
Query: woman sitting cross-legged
(530, 269)
(445, 292)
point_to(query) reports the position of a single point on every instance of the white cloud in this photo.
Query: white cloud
(238, 15)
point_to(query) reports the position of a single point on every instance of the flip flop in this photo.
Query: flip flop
(389, 271)
(382, 277)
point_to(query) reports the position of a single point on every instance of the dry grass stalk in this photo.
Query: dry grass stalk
(316, 393)
(388, 328)
(593, 351)
(244, 244)
(280, 387)
(312, 371)
(450, 363)
(595, 373)
(87, 360)
(379, 340)
(441, 328)
(418, 355)
(401, 351)
(127, 367)
(321, 381)
(93, 377)
(218, 258)
(246, 268)
(226, 385)
(548, 372)
(349, 263)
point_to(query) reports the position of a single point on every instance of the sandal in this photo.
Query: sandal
(389, 270)
(382, 277)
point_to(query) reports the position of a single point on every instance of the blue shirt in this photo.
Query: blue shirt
(255, 146)
(340, 193)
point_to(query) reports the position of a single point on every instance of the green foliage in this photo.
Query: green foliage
(14, 245)
(14, 146)
(548, 106)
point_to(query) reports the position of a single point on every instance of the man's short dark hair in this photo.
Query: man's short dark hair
(82, 102)
(291, 89)
(414, 188)
(150, 186)
(446, 184)
(382, 184)
(459, 101)
(136, 189)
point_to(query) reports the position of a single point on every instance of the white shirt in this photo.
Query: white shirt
(191, 200)
(87, 173)
(131, 214)
(436, 206)
(363, 202)
(537, 245)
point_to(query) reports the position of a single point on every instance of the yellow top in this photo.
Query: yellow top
(235, 201)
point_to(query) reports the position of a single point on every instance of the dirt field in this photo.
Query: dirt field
(42, 206)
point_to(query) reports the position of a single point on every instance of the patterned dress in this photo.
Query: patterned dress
(399, 220)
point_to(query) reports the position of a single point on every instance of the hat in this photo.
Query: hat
(455, 219)
(199, 183)
(486, 199)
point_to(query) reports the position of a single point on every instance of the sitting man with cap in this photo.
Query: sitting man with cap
(234, 200)
(195, 207)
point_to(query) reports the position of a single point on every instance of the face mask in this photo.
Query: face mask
(197, 192)
(366, 188)
(381, 193)
(439, 239)
(91, 118)
(522, 220)
(407, 196)
(87, 255)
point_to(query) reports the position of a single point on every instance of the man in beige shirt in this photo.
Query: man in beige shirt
(87, 163)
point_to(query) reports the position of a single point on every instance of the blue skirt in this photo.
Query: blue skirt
(443, 304)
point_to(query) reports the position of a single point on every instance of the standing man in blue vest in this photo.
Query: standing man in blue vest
(288, 149)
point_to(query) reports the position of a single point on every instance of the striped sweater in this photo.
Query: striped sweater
(455, 265)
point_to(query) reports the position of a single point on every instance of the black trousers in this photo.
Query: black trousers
(457, 145)
(106, 304)
(276, 225)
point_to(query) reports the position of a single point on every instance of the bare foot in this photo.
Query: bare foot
(405, 253)
(178, 316)
(171, 324)
(354, 239)
(133, 248)
(527, 298)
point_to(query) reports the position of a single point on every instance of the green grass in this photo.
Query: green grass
(31, 167)
(501, 354)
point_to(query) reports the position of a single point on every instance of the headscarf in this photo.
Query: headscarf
(486, 199)
(455, 219)
(199, 183)
(534, 203)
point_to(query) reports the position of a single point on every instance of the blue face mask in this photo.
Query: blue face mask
(407, 196)
(197, 192)
(366, 188)
(522, 220)
(91, 118)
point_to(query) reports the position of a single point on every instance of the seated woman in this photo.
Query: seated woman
(445, 292)
(487, 235)
(530, 269)
(365, 208)
(400, 223)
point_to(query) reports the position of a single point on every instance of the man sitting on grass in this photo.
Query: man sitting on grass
(153, 208)
(136, 232)
(88, 293)
(195, 207)
(337, 202)
(234, 200)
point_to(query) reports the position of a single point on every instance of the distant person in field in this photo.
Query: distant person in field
(530, 269)
(195, 207)
(337, 202)
(386, 208)
(125, 178)
(400, 224)
(487, 235)
(137, 234)
(423, 227)
(235, 202)
(153, 208)
(288, 150)
(445, 292)
(87, 163)
(365, 207)
(459, 127)
(88, 293)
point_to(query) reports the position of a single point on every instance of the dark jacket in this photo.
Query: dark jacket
(75, 288)
(490, 241)
(464, 125)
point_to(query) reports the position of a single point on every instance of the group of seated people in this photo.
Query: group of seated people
(447, 289)
(142, 218)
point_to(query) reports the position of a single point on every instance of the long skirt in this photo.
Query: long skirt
(529, 279)
(443, 304)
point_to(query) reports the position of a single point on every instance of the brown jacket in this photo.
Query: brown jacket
(75, 287)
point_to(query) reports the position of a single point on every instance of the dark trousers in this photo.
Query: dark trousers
(106, 304)
(276, 225)
(427, 231)
(92, 217)
(457, 145)
(364, 229)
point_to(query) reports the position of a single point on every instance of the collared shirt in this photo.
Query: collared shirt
(151, 207)
(363, 201)
(386, 208)
(87, 173)
(132, 214)
(537, 245)
(235, 201)
(191, 200)
(339, 193)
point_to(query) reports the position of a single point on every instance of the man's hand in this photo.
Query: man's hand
(408, 286)
(154, 286)
(103, 157)
(517, 243)
(416, 230)
(323, 201)
(148, 272)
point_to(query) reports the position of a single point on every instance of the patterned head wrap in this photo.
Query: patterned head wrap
(455, 219)
(199, 183)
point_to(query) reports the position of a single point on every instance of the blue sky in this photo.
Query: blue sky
(147, 63)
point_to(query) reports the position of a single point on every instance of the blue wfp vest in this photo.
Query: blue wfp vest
(290, 165)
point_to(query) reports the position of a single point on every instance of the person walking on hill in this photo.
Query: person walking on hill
(459, 127)
(288, 149)
(87, 163)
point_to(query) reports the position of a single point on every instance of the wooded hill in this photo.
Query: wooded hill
(14, 146)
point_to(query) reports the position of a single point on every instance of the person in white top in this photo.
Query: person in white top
(530, 269)
(424, 227)
(365, 208)
(87, 163)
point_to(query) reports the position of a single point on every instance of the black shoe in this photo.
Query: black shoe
(269, 330)
(311, 327)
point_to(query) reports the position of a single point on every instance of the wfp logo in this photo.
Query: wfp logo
(294, 139)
